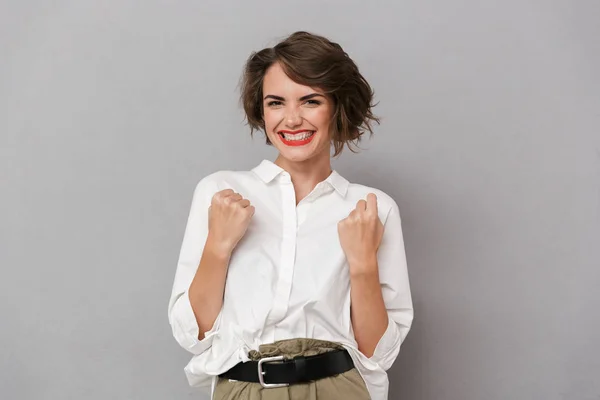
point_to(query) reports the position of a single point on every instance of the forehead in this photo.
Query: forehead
(277, 82)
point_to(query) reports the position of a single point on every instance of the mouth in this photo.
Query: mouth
(296, 138)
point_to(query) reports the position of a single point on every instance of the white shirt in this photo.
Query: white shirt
(288, 276)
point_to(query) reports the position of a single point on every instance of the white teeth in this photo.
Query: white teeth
(298, 136)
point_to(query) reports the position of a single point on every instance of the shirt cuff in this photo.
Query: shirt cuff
(388, 347)
(185, 327)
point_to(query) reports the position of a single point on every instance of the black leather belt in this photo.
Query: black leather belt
(273, 372)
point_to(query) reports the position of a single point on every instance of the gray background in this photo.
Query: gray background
(110, 112)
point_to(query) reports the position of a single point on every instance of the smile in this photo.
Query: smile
(296, 138)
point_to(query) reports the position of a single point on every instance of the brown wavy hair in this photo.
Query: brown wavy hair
(314, 61)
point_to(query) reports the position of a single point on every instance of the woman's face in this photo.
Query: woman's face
(296, 117)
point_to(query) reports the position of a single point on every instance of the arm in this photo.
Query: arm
(193, 310)
(217, 222)
(368, 313)
(382, 310)
(208, 286)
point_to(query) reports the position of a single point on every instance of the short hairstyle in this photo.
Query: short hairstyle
(314, 61)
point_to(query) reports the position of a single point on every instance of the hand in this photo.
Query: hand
(360, 235)
(229, 215)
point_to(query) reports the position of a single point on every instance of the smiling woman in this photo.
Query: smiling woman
(295, 115)
(306, 63)
(291, 281)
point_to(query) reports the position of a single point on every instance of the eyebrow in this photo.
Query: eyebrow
(307, 97)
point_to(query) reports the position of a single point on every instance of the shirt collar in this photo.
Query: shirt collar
(268, 170)
(339, 183)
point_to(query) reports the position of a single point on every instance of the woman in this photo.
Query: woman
(292, 282)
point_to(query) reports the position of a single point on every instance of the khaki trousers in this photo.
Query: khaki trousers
(347, 386)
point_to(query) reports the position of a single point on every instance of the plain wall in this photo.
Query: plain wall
(111, 112)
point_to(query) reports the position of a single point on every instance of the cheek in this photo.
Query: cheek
(270, 117)
(321, 118)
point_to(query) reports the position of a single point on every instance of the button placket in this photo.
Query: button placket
(288, 252)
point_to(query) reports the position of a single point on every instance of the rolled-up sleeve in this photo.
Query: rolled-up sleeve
(393, 276)
(181, 316)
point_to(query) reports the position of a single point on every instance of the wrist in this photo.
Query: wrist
(364, 275)
(365, 267)
(218, 248)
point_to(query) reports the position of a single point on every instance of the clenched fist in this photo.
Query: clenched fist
(360, 235)
(229, 215)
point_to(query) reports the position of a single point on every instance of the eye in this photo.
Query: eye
(274, 103)
(313, 102)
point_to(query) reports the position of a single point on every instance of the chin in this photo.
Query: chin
(301, 155)
(296, 156)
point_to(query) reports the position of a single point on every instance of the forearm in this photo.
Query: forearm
(368, 313)
(208, 286)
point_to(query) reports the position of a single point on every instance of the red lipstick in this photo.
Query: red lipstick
(296, 142)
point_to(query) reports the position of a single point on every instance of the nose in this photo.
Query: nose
(293, 117)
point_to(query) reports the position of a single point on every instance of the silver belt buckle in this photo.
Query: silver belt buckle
(261, 373)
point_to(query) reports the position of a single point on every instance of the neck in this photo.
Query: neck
(306, 174)
(309, 170)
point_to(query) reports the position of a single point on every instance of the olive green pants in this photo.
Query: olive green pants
(348, 385)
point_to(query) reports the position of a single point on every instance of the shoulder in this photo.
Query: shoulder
(358, 191)
(385, 202)
(223, 179)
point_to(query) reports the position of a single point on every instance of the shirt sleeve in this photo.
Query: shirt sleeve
(181, 316)
(393, 276)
